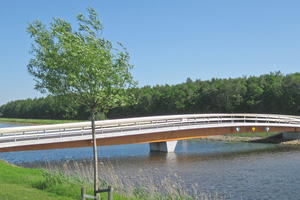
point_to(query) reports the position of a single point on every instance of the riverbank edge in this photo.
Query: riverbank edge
(275, 139)
(23, 183)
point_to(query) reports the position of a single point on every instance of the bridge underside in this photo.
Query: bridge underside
(149, 137)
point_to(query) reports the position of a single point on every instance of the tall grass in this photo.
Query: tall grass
(141, 186)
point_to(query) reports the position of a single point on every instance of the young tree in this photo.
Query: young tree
(80, 66)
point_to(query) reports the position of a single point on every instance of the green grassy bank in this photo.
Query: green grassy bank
(254, 134)
(22, 183)
(35, 121)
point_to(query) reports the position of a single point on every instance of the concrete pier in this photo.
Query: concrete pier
(291, 135)
(168, 146)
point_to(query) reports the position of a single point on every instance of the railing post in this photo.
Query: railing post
(83, 193)
(110, 196)
(98, 196)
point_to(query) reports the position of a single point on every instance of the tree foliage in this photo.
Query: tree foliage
(268, 93)
(79, 66)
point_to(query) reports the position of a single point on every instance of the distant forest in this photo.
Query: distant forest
(269, 93)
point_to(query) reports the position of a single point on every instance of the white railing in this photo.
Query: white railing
(142, 124)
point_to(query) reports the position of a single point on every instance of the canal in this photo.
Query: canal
(230, 170)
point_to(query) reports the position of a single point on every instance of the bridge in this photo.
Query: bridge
(161, 132)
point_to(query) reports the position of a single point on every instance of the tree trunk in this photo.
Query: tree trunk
(95, 155)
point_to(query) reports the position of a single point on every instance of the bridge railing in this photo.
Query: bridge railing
(140, 123)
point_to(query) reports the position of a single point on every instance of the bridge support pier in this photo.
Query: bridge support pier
(291, 135)
(168, 146)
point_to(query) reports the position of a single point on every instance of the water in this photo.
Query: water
(9, 125)
(234, 170)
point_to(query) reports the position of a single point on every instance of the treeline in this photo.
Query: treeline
(41, 108)
(269, 93)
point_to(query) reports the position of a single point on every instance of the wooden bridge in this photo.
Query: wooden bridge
(161, 132)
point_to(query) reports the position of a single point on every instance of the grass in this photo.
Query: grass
(19, 183)
(40, 184)
(15, 191)
(36, 121)
(22, 183)
(253, 134)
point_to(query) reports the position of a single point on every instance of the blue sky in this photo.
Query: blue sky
(168, 40)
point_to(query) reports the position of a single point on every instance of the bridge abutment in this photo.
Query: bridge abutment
(291, 135)
(168, 146)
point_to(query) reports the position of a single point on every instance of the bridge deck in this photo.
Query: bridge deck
(141, 130)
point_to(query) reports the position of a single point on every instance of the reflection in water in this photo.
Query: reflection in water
(245, 170)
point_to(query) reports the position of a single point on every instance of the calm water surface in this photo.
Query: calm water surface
(2, 125)
(235, 170)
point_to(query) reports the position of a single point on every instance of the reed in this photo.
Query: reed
(138, 186)
(65, 183)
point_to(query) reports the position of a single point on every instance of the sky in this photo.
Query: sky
(168, 40)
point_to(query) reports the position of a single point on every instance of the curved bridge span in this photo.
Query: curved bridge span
(162, 132)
